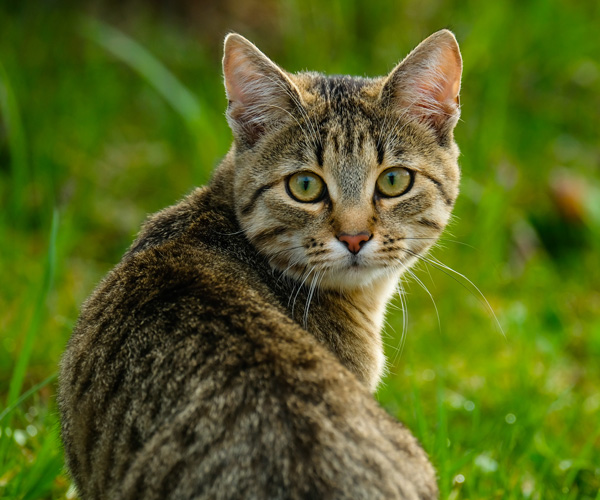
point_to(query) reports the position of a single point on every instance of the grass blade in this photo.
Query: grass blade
(27, 394)
(18, 374)
(181, 99)
(178, 96)
(9, 110)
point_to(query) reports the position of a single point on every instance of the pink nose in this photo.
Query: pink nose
(354, 242)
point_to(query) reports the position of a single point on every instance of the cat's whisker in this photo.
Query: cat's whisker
(310, 292)
(320, 280)
(437, 239)
(293, 263)
(428, 271)
(483, 297)
(447, 270)
(404, 321)
(391, 334)
(284, 250)
(308, 300)
(400, 291)
(300, 288)
(414, 276)
(389, 345)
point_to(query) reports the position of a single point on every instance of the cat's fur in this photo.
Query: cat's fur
(233, 351)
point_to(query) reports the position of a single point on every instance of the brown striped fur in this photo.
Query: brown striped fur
(233, 351)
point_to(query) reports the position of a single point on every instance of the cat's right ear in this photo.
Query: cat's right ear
(260, 94)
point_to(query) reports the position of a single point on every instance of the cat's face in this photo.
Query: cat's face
(341, 181)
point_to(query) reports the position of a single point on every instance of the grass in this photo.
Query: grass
(107, 114)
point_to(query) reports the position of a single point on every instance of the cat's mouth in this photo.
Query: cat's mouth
(356, 264)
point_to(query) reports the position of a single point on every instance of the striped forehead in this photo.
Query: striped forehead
(348, 142)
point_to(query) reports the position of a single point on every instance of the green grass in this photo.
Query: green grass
(107, 114)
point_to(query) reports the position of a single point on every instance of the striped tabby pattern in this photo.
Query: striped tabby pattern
(233, 351)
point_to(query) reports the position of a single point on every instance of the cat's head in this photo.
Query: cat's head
(343, 180)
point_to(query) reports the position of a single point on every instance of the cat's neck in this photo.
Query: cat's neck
(350, 325)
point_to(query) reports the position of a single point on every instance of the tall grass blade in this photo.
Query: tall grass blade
(441, 446)
(18, 374)
(10, 115)
(181, 99)
(28, 393)
(39, 480)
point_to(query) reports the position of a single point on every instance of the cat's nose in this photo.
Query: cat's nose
(354, 242)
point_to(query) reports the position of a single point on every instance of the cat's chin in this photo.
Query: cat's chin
(349, 278)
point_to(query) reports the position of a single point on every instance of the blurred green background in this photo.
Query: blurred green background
(110, 111)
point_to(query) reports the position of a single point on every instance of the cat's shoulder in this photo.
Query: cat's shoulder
(197, 211)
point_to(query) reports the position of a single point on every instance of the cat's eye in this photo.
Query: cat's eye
(394, 182)
(306, 187)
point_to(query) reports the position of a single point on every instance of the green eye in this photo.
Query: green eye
(306, 187)
(394, 181)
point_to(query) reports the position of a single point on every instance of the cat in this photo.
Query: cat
(234, 350)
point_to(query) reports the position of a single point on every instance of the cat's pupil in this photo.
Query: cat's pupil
(305, 183)
(391, 177)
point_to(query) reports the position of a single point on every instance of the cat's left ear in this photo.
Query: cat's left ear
(261, 95)
(426, 84)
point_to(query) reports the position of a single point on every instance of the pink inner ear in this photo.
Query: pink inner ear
(239, 75)
(435, 87)
(450, 84)
(442, 80)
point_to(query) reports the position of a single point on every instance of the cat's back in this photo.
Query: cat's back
(185, 378)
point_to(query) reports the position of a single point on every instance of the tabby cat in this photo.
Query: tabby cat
(233, 351)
